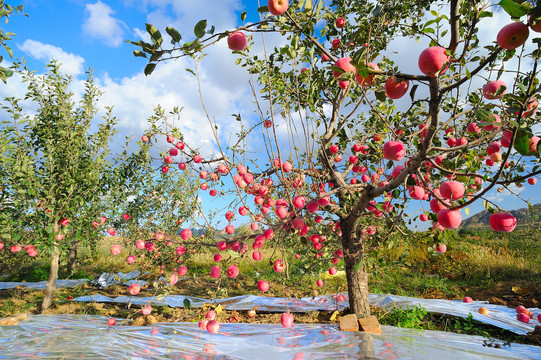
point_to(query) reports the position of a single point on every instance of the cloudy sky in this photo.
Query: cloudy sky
(83, 34)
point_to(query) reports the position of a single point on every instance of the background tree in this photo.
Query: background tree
(56, 169)
(6, 11)
(355, 156)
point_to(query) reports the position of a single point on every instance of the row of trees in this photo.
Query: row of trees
(61, 185)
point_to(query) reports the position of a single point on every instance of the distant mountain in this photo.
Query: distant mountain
(524, 216)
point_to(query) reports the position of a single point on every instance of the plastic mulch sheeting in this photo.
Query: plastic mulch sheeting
(499, 315)
(89, 337)
(42, 284)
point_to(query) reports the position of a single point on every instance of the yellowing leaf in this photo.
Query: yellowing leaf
(334, 315)
(467, 211)
(522, 291)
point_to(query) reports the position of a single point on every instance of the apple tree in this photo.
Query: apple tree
(56, 169)
(364, 137)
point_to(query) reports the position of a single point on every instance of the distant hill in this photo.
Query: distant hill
(524, 216)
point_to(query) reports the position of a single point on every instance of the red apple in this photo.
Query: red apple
(134, 289)
(319, 282)
(490, 89)
(449, 219)
(279, 266)
(232, 271)
(111, 322)
(417, 193)
(215, 272)
(203, 324)
(441, 248)
(452, 190)
(251, 313)
(340, 22)
(186, 234)
(467, 299)
(299, 202)
(256, 255)
(144, 138)
(116, 249)
(396, 88)
(502, 222)
(344, 64)
(513, 35)
(210, 315)
(237, 41)
(213, 326)
(394, 150)
(277, 7)
(287, 320)
(522, 317)
(433, 60)
(182, 270)
(263, 285)
(534, 25)
(532, 181)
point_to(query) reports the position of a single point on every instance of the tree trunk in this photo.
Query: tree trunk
(53, 273)
(72, 258)
(51, 282)
(357, 287)
(355, 267)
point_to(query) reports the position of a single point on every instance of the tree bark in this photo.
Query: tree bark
(357, 286)
(355, 267)
(72, 258)
(51, 282)
(53, 273)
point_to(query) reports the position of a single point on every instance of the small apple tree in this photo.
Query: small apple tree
(358, 154)
(55, 170)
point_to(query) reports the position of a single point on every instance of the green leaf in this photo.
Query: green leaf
(263, 9)
(483, 14)
(199, 29)
(8, 49)
(49, 229)
(357, 266)
(522, 143)
(243, 16)
(175, 35)
(139, 53)
(233, 254)
(6, 236)
(187, 304)
(155, 34)
(514, 8)
(532, 209)
(380, 95)
(149, 68)
(396, 194)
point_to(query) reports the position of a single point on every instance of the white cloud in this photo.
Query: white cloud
(71, 64)
(100, 25)
(224, 92)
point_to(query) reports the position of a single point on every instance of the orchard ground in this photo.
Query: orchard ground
(499, 268)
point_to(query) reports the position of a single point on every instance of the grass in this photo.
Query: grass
(485, 266)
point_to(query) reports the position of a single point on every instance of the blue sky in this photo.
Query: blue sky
(90, 34)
